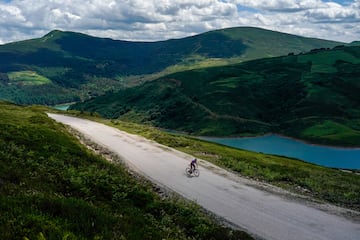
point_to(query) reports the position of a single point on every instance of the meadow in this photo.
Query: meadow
(27, 78)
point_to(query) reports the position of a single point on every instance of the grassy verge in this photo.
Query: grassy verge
(52, 187)
(325, 184)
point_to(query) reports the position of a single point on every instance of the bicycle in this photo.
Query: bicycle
(193, 173)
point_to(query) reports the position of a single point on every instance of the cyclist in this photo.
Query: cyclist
(193, 165)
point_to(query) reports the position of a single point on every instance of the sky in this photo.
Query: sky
(154, 20)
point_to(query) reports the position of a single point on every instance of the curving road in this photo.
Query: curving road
(264, 214)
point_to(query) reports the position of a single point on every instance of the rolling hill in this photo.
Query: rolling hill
(68, 67)
(313, 96)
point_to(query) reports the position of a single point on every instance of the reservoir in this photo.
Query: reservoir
(63, 107)
(334, 157)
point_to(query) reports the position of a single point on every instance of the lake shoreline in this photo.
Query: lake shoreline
(283, 136)
(63, 106)
(276, 144)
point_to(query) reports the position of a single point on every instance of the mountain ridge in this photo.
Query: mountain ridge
(83, 66)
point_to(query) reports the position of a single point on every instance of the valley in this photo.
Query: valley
(233, 82)
(312, 97)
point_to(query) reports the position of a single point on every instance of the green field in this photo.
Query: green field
(330, 130)
(27, 78)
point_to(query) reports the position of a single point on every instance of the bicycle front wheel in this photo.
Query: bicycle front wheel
(196, 173)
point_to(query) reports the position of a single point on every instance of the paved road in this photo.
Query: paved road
(264, 214)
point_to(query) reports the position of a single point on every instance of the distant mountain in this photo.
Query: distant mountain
(355, 43)
(313, 96)
(68, 66)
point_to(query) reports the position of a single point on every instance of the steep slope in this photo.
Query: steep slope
(312, 96)
(81, 66)
(52, 187)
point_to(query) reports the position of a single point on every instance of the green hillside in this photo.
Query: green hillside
(263, 43)
(312, 96)
(79, 66)
(52, 187)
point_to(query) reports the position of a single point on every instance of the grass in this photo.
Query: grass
(269, 43)
(274, 95)
(331, 130)
(326, 128)
(324, 184)
(323, 61)
(198, 63)
(52, 187)
(28, 78)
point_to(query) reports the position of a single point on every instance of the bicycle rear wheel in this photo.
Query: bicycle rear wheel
(188, 171)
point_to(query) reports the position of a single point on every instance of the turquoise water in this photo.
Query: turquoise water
(62, 107)
(346, 158)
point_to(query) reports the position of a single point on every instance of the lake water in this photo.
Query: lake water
(346, 158)
(63, 107)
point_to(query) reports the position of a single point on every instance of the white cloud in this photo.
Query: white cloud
(164, 19)
(332, 12)
(13, 14)
(280, 5)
